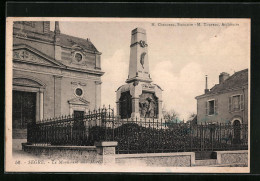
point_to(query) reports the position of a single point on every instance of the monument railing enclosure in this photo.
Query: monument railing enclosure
(143, 135)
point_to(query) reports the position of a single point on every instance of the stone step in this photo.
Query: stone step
(230, 165)
(19, 133)
(204, 155)
(205, 162)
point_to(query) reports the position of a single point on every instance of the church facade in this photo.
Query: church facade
(54, 74)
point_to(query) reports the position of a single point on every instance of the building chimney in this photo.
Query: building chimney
(57, 28)
(222, 77)
(57, 32)
(46, 27)
(206, 86)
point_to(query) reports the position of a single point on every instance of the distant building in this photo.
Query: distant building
(193, 120)
(226, 102)
(54, 74)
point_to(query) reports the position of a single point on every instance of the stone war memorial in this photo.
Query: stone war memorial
(139, 98)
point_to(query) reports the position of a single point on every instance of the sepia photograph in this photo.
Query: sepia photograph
(157, 95)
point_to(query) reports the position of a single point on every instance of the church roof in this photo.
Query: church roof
(68, 40)
(237, 80)
(35, 30)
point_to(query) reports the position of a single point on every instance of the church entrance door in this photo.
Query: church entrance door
(24, 111)
(78, 114)
(78, 129)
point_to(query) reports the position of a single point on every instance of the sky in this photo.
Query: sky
(179, 56)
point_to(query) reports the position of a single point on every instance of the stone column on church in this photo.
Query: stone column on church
(98, 94)
(41, 104)
(57, 47)
(37, 113)
(57, 95)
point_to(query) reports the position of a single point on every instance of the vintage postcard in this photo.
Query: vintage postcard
(138, 95)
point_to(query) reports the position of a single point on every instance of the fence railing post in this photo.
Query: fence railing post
(190, 137)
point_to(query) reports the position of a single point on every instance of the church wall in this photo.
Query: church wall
(64, 88)
(66, 56)
(35, 26)
(98, 61)
(48, 96)
(68, 92)
(90, 94)
(88, 59)
(45, 48)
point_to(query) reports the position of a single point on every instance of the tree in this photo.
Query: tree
(192, 118)
(171, 117)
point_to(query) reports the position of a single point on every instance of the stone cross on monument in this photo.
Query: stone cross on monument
(139, 97)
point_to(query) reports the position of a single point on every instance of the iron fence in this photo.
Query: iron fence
(138, 135)
(71, 129)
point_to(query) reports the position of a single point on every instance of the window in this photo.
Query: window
(78, 114)
(78, 57)
(211, 107)
(79, 92)
(236, 102)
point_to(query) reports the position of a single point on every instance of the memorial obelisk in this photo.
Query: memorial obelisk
(139, 98)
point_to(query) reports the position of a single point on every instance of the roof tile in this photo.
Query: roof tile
(69, 41)
(237, 80)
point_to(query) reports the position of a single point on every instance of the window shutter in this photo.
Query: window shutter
(216, 106)
(241, 102)
(206, 107)
(230, 104)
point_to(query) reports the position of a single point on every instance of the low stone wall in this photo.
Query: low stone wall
(232, 157)
(181, 159)
(103, 152)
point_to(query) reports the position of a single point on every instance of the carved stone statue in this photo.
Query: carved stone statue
(147, 106)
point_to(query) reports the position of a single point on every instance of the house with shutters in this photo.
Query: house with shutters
(226, 102)
(54, 74)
